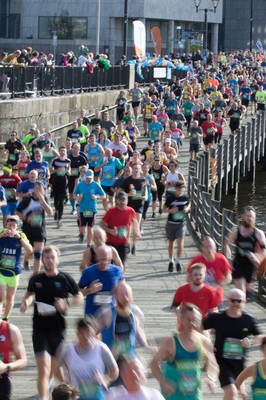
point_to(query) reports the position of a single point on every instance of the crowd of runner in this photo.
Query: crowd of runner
(101, 161)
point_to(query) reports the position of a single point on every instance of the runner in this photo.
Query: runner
(250, 249)
(177, 206)
(136, 94)
(9, 181)
(233, 328)
(159, 172)
(99, 239)
(108, 166)
(94, 152)
(98, 281)
(88, 362)
(13, 356)
(87, 193)
(117, 223)
(61, 169)
(177, 364)
(77, 160)
(31, 211)
(50, 289)
(12, 242)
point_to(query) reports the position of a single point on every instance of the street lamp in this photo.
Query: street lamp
(206, 10)
(125, 31)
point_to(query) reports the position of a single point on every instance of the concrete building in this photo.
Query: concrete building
(32, 22)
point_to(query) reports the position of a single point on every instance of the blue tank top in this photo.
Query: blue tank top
(94, 155)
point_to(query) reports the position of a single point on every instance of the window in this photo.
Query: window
(66, 27)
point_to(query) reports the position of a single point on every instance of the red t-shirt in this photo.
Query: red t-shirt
(22, 165)
(207, 128)
(121, 219)
(216, 270)
(206, 299)
(10, 181)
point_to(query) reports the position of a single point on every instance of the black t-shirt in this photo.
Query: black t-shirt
(11, 146)
(46, 289)
(74, 135)
(61, 167)
(136, 184)
(228, 328)
(77, 162)
(180, 202)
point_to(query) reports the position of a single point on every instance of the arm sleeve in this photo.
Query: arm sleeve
(72, 285)
(210, 321)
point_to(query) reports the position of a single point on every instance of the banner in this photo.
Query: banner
(157, 39)
(259, 45)
(139, 38)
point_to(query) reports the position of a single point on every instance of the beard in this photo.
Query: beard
(248, 224)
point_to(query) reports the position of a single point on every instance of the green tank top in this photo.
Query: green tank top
(184, 372)
(259, 385)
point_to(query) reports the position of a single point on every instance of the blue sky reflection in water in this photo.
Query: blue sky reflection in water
(250, 193)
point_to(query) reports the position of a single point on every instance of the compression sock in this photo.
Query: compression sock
(72, 202)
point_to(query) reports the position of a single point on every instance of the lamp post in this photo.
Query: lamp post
(251, 27)
(125, 27)
(206, 10)
(98, 29)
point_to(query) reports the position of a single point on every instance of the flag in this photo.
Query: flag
(157, 39)
(259, 45)
(139, 38)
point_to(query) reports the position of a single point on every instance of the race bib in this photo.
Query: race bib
(156, 176)
(8, 261)
(137, 196)
(12, 157)
(232, 349)
(122, 232)
(88, 213)
(102, 299)
(107, 176)
(88, 390)
(178, 216)
(10, 194)
(36, 220)
(74, 171)
(21, 172)
(188, 383)
(61, 172)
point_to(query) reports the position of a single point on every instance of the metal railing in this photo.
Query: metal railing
(217, 173)
(26, 81)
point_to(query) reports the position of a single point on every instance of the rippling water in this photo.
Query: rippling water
(250, 193)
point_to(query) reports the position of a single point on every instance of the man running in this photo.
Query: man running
(51, 290)
(250, 249)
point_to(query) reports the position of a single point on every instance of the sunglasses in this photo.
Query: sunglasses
(239, 301)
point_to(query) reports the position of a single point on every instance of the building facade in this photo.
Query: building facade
(33, 23)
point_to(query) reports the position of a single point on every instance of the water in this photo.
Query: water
(251, 193)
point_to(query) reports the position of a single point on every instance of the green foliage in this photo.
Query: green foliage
(62, 25)
(195, 47)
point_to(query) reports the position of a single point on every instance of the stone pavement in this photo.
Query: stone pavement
(153, 287)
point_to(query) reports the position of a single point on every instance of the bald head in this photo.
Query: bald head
(237, 294)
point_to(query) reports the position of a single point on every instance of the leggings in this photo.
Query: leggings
(59, 198)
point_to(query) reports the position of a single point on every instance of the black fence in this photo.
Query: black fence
(47, 81)
(26, 81)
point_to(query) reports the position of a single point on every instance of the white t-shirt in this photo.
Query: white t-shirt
(143, 394)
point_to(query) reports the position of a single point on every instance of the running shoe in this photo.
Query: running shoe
(81, 238)
(26, 265)
(179, 268)
(133, 250)
(153, 215)
(170, 266)
(74, 212)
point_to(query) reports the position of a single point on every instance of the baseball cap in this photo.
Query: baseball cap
(89, 174)
(47, 141)
(168, 140)
(150, 142)
(13, 218)
(122, 195)
(33, 126)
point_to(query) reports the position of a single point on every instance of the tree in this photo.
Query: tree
(62, 25)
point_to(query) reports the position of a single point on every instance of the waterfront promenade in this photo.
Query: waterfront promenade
(153, 287)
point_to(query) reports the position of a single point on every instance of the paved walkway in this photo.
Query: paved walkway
(146, 272)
